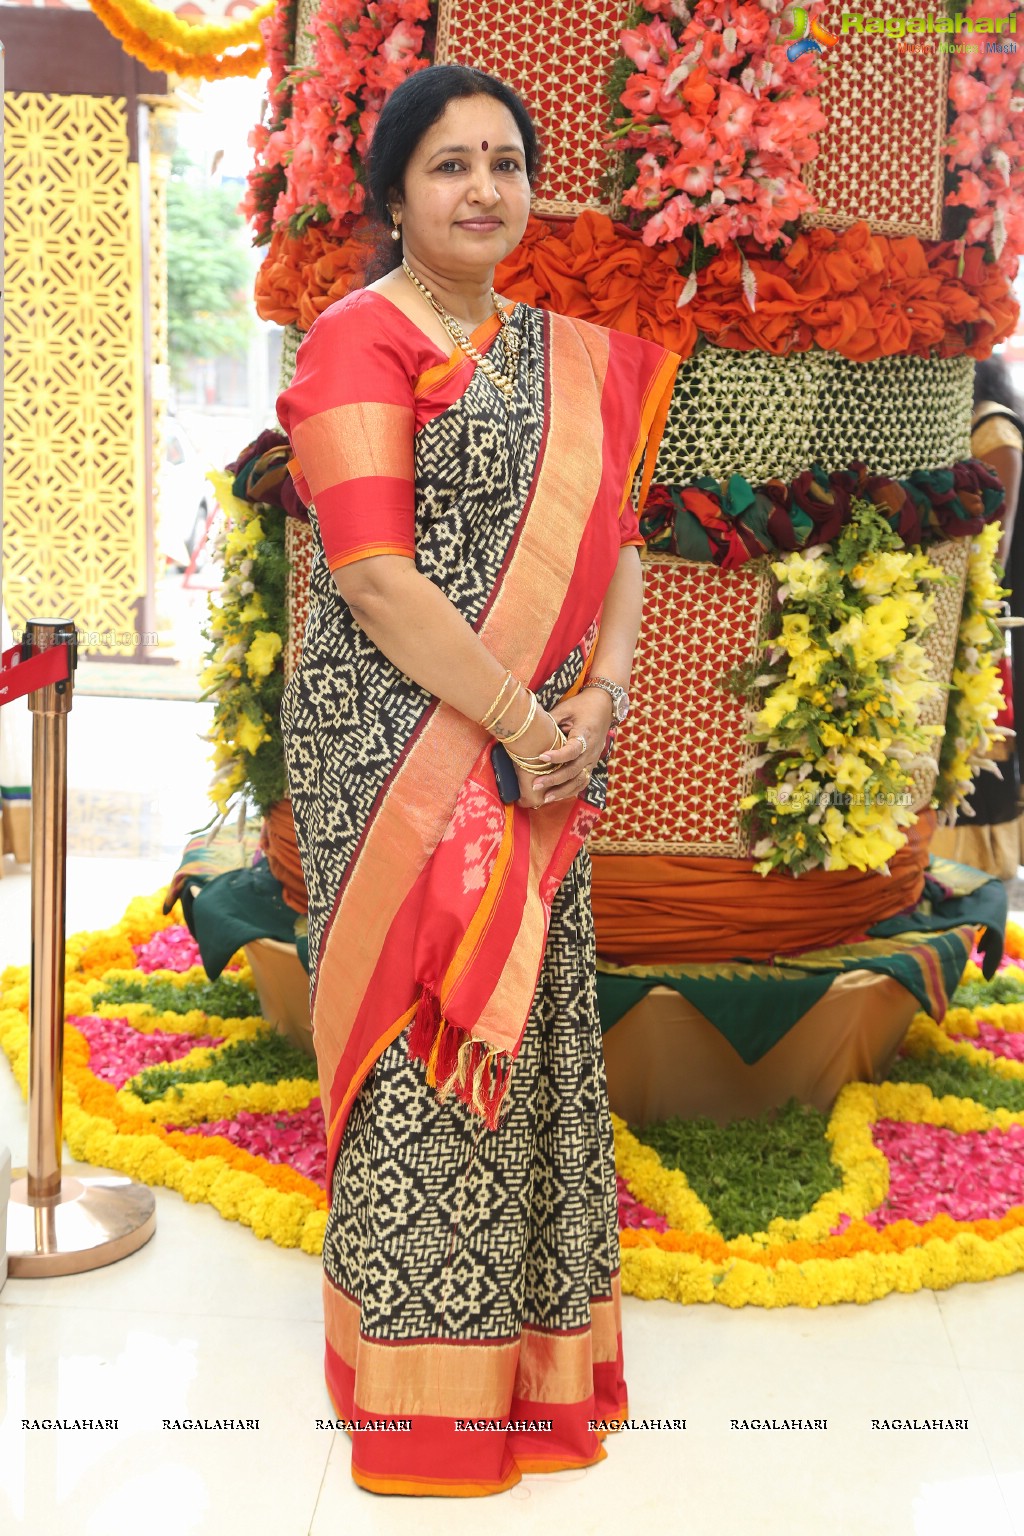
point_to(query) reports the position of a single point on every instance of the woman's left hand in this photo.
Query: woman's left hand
(585, 716)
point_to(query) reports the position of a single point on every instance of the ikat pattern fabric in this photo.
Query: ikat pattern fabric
(348, 713)
(443, 1229)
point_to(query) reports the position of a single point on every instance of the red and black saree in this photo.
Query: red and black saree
(471, 1258)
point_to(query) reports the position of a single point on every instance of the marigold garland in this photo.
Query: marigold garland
(143, 36)
(926, 1036)
(832, 1253)
(196, 37)
(192, 1103)
(103, 1127)
(861, 1263)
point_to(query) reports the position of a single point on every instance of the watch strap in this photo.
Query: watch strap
(615, 691)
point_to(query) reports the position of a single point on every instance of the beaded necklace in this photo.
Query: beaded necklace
(504, 380)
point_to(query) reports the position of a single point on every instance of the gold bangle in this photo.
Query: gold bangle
(559, 741)
(534, 765)
(526, 723)
(506, 707)
(494, 702)
(497, 696)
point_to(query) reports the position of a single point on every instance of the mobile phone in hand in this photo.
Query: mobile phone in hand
(505, 775)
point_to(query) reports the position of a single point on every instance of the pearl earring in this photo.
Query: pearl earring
(396, 233)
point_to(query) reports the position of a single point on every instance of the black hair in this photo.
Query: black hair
(416, 105)
(993, 381)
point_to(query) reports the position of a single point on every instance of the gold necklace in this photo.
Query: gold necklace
(504, 380)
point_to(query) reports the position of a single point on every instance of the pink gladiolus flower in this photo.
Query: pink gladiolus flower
(649, 46)
(965, 140)
(670, 222)
(404, 42)
(696, 179)
(642, 96)
(965, 91)
(735, 113)
(751, 23)
(971, 191)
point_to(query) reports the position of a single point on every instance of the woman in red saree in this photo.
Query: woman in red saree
(474, 527)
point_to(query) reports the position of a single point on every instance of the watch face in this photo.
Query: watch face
(621, 707)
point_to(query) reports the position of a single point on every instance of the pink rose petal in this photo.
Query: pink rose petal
(295, 1138)
(1007, 1043)
(172, 949)
(969, 1175)
(117, 1051)
(632, 1213)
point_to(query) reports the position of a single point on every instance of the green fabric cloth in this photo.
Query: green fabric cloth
(753, 1006)
(233, 909)
(955, 894)
(212, 852)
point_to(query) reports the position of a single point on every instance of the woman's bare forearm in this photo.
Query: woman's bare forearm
(417, 628)
(620, 619)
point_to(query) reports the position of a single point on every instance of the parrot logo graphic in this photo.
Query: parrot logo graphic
(808, 36)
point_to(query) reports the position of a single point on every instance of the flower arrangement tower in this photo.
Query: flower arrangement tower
(816, 676)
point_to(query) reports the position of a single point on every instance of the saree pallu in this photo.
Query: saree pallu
(471, 1255)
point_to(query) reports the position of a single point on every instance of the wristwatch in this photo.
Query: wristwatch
(617, 694)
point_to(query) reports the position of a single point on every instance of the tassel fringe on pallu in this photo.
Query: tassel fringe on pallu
(477, 1073)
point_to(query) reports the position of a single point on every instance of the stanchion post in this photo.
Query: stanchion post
(50, 707)
(59, 1221)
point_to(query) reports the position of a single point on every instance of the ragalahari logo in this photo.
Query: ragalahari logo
(808, 35)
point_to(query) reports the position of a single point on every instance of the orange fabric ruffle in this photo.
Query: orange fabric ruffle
(861, 295)
(651, 908)
(277, 840)
(299, 277)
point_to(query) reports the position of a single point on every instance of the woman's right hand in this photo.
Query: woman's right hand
(540, 736)
(538, 739)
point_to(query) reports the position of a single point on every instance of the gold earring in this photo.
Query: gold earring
(396, 233)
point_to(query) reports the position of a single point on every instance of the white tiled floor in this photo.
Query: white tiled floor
(207, 1321)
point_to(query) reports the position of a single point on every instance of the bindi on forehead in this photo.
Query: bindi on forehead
(484, 144)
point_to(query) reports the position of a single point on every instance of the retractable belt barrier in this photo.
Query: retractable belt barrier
(23, 670)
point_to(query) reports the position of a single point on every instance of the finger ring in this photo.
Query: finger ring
(583, 744)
